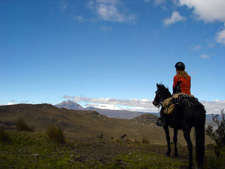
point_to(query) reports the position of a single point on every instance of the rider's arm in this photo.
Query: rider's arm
(175, 80)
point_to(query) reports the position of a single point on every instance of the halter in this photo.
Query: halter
(159, 104)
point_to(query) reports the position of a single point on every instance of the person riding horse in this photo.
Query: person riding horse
(181, 84)
(181, 81)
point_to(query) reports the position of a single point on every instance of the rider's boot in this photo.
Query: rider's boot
(161, 121)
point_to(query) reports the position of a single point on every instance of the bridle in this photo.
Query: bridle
(160, 102)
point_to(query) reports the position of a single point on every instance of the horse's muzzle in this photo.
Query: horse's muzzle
(154, 103)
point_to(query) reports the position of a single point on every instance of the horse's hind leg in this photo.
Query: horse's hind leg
(168, 140)
(175, 142)
(189, 145)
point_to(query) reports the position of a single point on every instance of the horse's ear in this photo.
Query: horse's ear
(157, 85)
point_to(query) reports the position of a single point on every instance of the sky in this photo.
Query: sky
(110, 53)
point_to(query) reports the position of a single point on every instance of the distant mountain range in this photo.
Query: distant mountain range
(120, 114)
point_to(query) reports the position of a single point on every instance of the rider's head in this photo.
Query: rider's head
(180, 66)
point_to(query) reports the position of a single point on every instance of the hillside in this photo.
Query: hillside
(82, 124)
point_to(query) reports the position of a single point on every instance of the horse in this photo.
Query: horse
(186, 115)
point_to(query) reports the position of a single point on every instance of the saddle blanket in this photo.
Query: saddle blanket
(169, 104)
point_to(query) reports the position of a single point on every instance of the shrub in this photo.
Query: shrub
(55, 134)
(21, 125)
(4, 137)
(101, 136)
(219, 134)
(145, 140)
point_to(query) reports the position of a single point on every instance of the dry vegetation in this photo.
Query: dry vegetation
(84, 124)
(83, 139)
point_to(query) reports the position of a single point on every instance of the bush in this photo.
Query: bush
(4, 137)
(21, 125)
(55, 134)
(101, 136)
(219, 134)
(145, 140)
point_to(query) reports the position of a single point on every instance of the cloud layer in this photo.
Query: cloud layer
(143, 105)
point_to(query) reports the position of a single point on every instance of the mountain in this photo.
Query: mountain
(69, 105)
(120, 114)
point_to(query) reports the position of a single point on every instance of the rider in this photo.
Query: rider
(181, 81)
(181, 84)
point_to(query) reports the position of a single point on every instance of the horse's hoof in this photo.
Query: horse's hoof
(168, 154)
(175, 155)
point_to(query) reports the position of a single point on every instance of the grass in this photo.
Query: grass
(21, 125)
(55, 134)
(34, 150)
(4, 137)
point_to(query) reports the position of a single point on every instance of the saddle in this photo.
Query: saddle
(170, 103)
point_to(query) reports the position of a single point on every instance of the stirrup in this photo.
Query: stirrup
(160, 123)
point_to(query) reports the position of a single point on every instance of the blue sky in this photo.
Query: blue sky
(110, 53)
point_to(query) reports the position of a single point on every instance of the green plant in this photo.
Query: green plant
(21, 125)
(4, 137)
(219, 134)
(55, 134)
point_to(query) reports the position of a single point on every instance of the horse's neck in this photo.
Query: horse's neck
(168, 95)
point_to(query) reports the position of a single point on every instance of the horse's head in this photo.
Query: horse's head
(161, 94)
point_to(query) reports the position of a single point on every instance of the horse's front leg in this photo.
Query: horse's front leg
(167, 139)
(189, 145)
(175, 142)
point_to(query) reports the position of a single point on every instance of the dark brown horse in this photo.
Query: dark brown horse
(187, 114)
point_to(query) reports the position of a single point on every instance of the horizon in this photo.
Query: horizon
(110, 53)
(212, 109)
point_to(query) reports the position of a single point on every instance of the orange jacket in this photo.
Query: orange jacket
(185, 84)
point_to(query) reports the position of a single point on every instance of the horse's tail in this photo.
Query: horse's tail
(200, 138)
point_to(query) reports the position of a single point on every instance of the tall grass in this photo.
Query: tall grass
(145, 140)
(21, 125)
(55, 134)
(4, 137)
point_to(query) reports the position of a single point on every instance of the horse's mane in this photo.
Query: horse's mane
(163, 87)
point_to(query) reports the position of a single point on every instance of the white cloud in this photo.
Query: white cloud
(214, 107)
(111, 10)
(63, 5)
(220, 37)
(106, 28)
(130, 104)
(159, 2)
(205, 56)
(143, 105)
(79, 18)
(147, 0)
(10, 103)
(196, 47)
(176, 17)
(206, 10)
